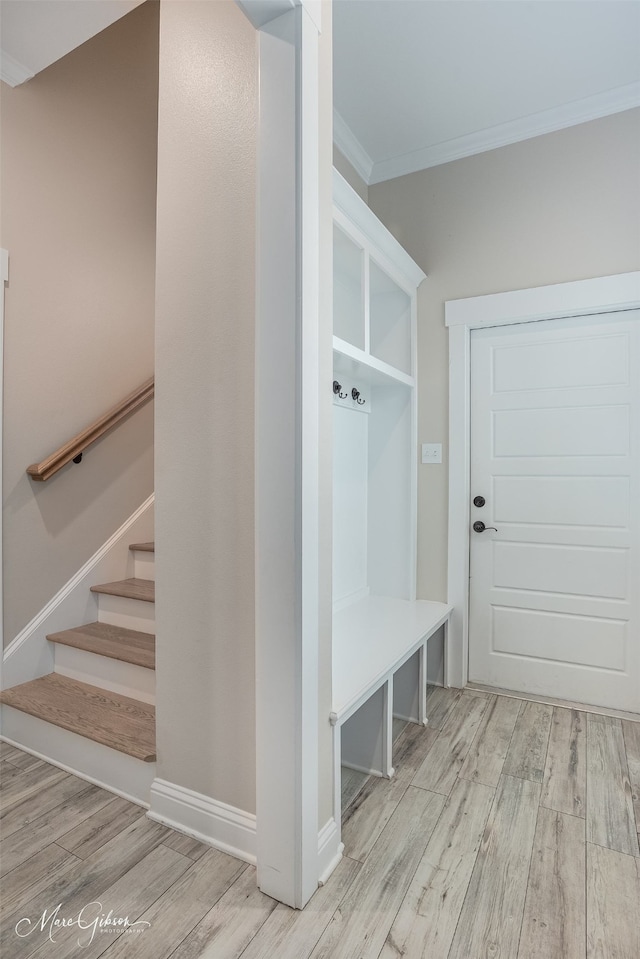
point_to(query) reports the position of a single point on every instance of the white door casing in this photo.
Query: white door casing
(555, 435)
(609, 294)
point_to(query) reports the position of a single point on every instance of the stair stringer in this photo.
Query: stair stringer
(30, 655)
(105, 767)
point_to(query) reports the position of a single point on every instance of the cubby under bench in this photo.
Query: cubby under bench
(379, 672)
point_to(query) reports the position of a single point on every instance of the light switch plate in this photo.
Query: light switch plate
(432, 452)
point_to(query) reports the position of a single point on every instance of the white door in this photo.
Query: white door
(555, 437)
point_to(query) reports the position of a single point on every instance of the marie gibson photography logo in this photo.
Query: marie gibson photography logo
(91, 919)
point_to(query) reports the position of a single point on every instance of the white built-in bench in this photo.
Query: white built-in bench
(379, 671)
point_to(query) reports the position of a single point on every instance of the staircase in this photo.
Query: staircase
(95, 715)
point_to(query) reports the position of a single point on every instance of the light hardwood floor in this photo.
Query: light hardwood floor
(510, 831)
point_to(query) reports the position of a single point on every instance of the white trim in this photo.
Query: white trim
(4, 276)
(13, 72)
(215, 823)
(606, 294)
(30, 655)
(115, 675)
(107, 768)
(286, 457)
(357, 218)
(513, 131)
(330, 850)
(351, 148)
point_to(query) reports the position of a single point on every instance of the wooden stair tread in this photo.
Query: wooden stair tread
(116, 642)
(144, 547)
(134, 588)
(119, 722)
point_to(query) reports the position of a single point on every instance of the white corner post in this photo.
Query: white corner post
(287, 438)
(4, 276)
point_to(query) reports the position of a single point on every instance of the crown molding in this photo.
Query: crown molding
(12, 72)
(547, 121)
(351, 148)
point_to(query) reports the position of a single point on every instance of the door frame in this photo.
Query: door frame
(607, 294)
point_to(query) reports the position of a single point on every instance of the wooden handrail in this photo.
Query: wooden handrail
(76, 446)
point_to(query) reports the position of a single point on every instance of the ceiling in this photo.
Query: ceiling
(416, 82)
(422, 82)
(36, 33)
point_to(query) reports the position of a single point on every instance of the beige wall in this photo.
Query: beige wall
(204, 400)
(350, 174)
(78, 218)
(565, 206)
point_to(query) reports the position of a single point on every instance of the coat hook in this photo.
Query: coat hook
(337, 389)
(356, 396)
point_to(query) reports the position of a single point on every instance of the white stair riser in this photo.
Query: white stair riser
(144, 564)
(138, 682)
(129, 613)
(113, 770)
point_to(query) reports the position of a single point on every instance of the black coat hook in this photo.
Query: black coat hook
(337, 389)
(356, 396)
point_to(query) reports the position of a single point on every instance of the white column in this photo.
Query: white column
(4, 276)
(287, 438)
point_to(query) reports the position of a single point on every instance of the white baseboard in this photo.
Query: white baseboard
(30, 655)
(111, 770)
(330, 850)
(212, 822)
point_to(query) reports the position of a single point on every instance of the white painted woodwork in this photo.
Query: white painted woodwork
(365, 740)
(373, 641)
(408, 683)
(30, 655)
(129, 613)
(127, 679)
(380, 631)
(4, 276)
(208, 820)
(144, 564)
(350, 530)
(390, 308)
(374, 456)
(554, 603)
(286, 458)
(601, 295)
(374, 638)
(112, 770)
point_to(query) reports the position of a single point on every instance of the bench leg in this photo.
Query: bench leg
(422, 686)
(387, 738)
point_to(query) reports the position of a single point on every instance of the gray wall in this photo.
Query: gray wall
(351, 175)
(78, 196)
(204, 449)
(565, 206)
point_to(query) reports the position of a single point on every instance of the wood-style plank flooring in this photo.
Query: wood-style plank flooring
(510, 831)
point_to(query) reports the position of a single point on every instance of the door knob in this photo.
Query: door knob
(479, 526)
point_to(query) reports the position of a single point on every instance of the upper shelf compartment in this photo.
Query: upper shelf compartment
(374, 292)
